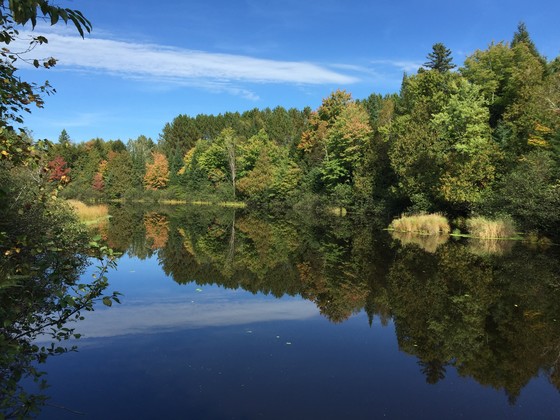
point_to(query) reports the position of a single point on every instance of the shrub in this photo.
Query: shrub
(424, 224)
(481, 227)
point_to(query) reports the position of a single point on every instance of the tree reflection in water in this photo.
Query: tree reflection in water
(488, 310)
(40, 297)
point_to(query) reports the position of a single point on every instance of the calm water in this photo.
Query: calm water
(227, 315)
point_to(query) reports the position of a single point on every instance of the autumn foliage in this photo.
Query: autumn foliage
(157, 173)
(58, 170)
(157, 229)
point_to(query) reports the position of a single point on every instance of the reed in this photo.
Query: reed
(483, 228)
(423, 224)
(89, 213)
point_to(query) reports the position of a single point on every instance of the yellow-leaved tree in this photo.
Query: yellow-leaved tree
(157, 172)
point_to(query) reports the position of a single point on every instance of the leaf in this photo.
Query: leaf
(54, 17)
(107, 301)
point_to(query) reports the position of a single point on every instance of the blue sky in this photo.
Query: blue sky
(146, 62)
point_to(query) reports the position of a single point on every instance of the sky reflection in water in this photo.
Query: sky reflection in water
(205, 350)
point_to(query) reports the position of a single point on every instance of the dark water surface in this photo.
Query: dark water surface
(229, 315)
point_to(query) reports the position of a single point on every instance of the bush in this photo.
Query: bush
(424, 224)
(484, 228)
(530, 194)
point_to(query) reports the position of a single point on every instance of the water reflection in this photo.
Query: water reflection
(489, 311)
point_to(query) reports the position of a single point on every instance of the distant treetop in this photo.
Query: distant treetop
(440, 59)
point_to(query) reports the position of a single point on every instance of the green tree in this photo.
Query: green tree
(344, 145)
(412, 138)
(441, 149)
(440, 59)
(176, 139)
(531, 193)
(119, 174)
(466, 152)
(521, 36)
(63, 138)
(140, 151)
(313, 140)
(491, 70)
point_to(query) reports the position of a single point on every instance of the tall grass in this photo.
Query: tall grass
(423, 224)
(481, 227)
(89, 214)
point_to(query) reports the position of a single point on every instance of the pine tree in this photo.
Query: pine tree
(64, 138)
(522, 36)
(440, 59)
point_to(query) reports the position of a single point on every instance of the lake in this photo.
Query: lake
(227, 314)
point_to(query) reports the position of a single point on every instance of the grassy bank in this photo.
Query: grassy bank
(89, 213)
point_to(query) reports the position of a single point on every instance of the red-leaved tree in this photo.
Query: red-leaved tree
(58, 170)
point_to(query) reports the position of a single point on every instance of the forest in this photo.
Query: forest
(483, 139)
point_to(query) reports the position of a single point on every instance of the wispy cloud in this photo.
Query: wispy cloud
(403, 65)
(208, 70)
(142, 318)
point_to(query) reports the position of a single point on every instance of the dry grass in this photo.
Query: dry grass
(480, 227)
(89, 214)
(423, 224)
(428, 243)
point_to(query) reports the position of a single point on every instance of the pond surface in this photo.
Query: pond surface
(230, 315)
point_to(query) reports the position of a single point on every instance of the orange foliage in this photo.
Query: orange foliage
(157, 229)
(157, 173)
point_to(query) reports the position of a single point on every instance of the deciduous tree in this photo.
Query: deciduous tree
(157, 172)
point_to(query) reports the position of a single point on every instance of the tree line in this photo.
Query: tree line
(480, 139)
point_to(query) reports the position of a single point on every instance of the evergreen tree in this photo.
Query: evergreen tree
(522, 36)
(440, 59)
(64, 138)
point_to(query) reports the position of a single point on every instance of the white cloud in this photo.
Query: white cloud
(142, 318)
(403, 65)
(181, 66)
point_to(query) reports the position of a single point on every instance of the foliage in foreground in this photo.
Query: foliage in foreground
(44, 249)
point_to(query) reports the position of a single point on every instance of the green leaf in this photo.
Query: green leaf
(107, 301)
(54, 17)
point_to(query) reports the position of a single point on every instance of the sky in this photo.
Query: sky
(146, 62)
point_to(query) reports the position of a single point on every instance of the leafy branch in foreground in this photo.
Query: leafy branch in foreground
(37, 307)
(17, 95)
